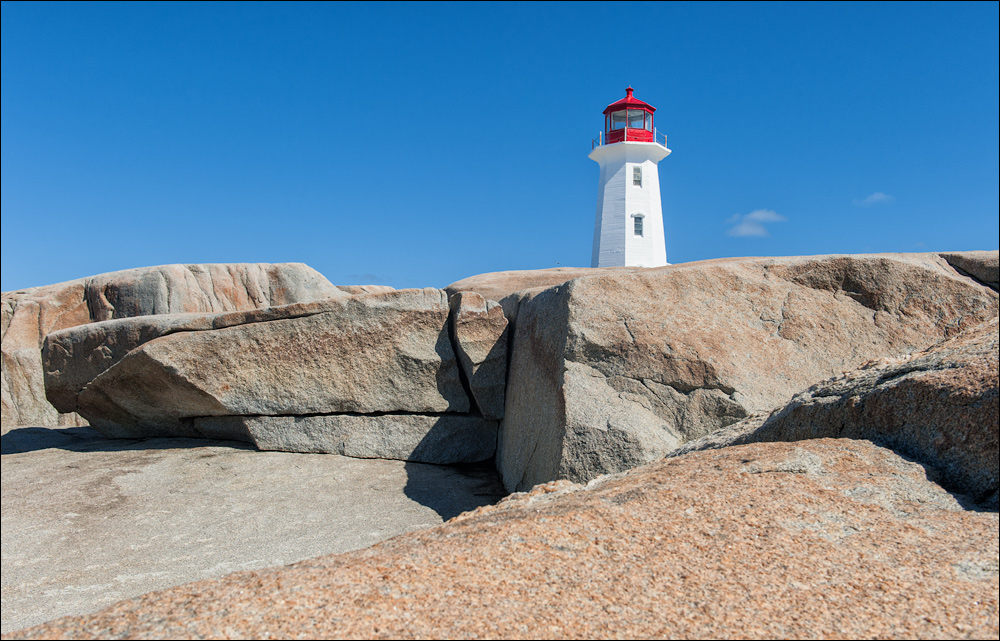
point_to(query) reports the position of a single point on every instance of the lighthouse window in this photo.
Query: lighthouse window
(637, 176)
(617, 120)
(637, 222)
(635, 118)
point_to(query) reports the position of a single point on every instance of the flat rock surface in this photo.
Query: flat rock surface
(823, 538)
(88, 521)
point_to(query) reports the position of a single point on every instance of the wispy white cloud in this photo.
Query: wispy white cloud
(877, 198)
(754, 223)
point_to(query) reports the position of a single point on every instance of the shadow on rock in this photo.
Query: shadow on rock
(21, 440)
(450, 490)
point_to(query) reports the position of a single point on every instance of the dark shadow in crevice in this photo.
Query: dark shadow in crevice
(986, 502)
(450, 490)
(21, 440)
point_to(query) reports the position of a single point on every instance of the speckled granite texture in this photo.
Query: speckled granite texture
(821, 538)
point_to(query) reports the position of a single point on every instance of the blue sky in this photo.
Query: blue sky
(414, 144)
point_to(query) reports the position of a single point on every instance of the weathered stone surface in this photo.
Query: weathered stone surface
(89, 521)
(176, 289)
(603, 362)
(354, 290)
(358, 354)
(480, 332)
(511, 288)
(940, 407)
(499, 285)
(444, 439)
(824, 538)
(984, 266)
(74, 357)
(30, 314)
(27, 316)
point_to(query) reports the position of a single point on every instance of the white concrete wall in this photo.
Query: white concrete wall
(615, 243)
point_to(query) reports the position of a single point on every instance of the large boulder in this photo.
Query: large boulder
(30, 314)
(366, 354)
(618, 368)
(177, 289)
(371, 375)
(824, 538)
(940, 407)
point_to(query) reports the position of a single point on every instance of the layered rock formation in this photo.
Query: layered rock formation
(823, 538)
(28, 315)
(940, 406)
(616, 369)
(889, 529)
(372, 375)
(607, 371)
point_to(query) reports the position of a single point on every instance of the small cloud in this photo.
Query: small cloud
(877, 198)
(753, 224)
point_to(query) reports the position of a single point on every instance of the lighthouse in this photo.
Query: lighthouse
(629, 225)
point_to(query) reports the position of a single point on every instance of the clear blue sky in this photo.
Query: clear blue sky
(414, 145)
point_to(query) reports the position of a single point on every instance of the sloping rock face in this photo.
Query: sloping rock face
(823, 538)
(984, 266)
(370, 375)
(30, 314)
(616, 369)
(941, 407)
(176, 289)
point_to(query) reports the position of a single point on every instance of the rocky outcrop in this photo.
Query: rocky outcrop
(440, 439)
(479, 329)
(27, 316)
(619, 368)
(30, 314)
(984, 266)
(371, 375)
(176, 289)
(364, 354)
(354, 290)
(823, 538)
(940, 407)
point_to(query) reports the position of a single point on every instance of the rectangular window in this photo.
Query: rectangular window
(638, 225)
(617, 120)
(637, 176)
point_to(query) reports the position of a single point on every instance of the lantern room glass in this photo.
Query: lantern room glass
(617, 120)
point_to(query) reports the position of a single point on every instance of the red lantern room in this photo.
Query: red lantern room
(628, 119)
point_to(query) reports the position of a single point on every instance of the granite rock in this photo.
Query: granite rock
(30, 314)
(358, 354)
(27, 316)
(940, 407)
(984, 266)
(354, 290)
(479, 328)
(822, 538)
(619, 367)
(443, 439)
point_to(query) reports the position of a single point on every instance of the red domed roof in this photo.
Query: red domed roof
(628, 102)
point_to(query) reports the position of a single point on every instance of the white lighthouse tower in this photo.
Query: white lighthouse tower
(629, 226)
